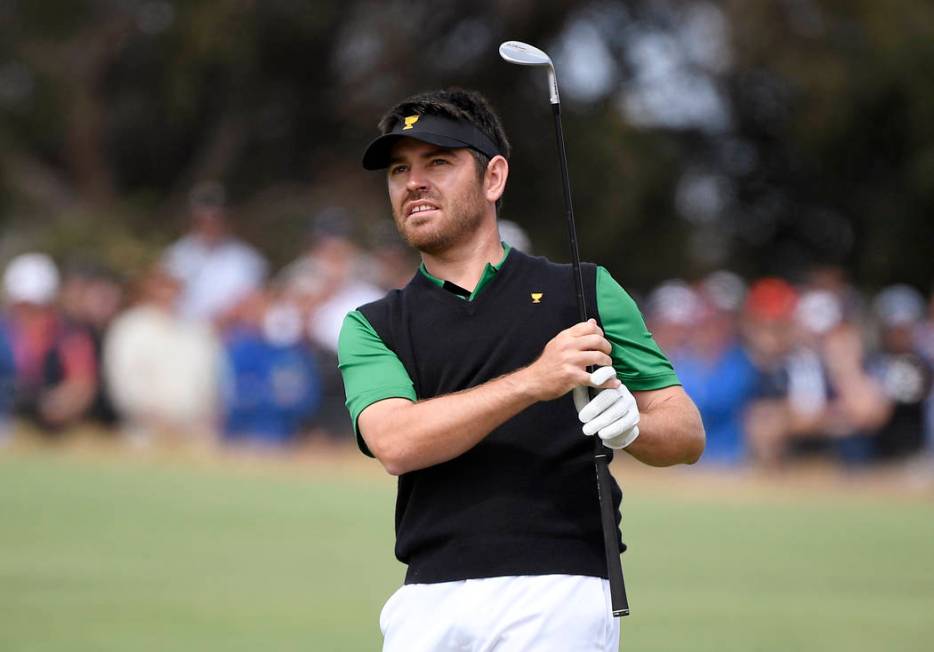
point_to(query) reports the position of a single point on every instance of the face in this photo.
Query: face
(161, 289)
(437, 198)
(209, 223)
(769, 340)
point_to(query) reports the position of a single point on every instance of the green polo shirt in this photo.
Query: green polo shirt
(372, 372)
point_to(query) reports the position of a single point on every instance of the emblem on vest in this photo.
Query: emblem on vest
(410, 121)
(536, 297)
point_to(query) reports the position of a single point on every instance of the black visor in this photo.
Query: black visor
(433, 129)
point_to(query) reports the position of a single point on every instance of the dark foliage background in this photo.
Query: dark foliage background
(760, 136)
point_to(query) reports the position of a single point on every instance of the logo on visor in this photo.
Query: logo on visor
(410, 121)
(536, 297)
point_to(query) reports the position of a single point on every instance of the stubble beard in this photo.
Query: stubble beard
(460, 219)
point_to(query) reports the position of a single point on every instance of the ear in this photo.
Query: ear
(494, 180)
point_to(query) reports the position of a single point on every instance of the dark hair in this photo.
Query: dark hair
(207, 194)
(457, 104)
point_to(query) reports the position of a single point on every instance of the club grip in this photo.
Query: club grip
(619, 602)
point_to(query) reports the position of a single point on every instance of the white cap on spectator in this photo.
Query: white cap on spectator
(899, 305)
(675, 302)
(514, 235)
(283, 324)
(819, 311)
(725, 290)
(31, 278)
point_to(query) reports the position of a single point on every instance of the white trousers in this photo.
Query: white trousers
(541, 613)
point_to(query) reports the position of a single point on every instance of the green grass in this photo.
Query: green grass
(111, 554)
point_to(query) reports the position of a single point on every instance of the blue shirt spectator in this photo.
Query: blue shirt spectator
(721, 388)
(7, 375)
(274, 387)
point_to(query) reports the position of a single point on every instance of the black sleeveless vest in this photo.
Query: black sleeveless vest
(523, 501)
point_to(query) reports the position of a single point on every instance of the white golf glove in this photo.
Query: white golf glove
(612, 414)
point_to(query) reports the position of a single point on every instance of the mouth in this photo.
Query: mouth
(420, 208)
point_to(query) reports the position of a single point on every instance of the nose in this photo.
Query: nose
(416, 179)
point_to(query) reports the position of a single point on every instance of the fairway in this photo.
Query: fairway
(114, 552)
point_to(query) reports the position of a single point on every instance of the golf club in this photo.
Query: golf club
(524, 54)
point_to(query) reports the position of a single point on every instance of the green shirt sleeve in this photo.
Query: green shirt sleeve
(638, 360)
(371, 372)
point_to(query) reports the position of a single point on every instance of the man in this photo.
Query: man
(328, 277)
(901, 372)
(216, 268)
(56, 369)
(326, 283)
(460, 384)
(163, 370)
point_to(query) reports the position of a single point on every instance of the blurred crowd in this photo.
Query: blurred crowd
(782, 372)
(210, 344)
(206, 345)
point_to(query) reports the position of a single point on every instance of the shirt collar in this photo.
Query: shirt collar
(489, 271)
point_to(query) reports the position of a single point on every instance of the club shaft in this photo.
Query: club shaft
(614, 567)
(569, 215)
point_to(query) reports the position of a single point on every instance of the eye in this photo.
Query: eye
(397, 169)
(439, 161)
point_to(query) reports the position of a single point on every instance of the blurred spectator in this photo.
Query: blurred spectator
(832, 279)
(925, 337)
(163, 370)
(514, 235)
(903, 373)
(725, 291)
(329, 277)
(7, 380)
(56, 369)
(91, 296)
(672, 310)
(817, 394)
(715, 370)
(835, 399)
(328, 282)
(272, 388)
(925, 331)
(392, 262)
(767, 326)
(216, 268)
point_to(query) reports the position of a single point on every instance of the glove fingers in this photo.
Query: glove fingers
(625, 424)
(602, 375)
(581, 398)
(607, 417)
(622, 440)
(601, 402)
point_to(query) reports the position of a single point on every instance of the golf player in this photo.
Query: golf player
(462, 385)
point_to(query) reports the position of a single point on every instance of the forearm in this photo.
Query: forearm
(861, 401)
(67, 401)
(670, 430)
(408, 436)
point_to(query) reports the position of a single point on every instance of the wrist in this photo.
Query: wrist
(522, 384)
(622, 441)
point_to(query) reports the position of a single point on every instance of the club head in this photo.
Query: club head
(523, 54)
